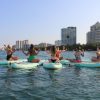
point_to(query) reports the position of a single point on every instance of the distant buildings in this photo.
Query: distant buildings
(25, 45)
(58, 43)
(22, 44)
(68, 36)
(94, 35)
(44, 45)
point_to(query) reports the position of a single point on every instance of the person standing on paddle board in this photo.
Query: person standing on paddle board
(32, 52)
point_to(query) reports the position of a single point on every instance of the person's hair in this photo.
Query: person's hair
(31, 46)
(76, 49)
(53, 50)
(98, 47)
(9, 47)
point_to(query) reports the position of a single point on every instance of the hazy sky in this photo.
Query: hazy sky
(42, 20)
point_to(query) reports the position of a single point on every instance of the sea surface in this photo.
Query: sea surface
(68, 83)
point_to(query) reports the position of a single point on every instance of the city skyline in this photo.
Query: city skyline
(42, 20)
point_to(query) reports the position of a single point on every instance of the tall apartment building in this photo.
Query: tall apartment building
(22, 44)
(25, 44)
(18, 44)
(68, 36)
(94, 35)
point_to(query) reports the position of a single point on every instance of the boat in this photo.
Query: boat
(88, 64)
(50, 65)
(5, 62)
(24, 65)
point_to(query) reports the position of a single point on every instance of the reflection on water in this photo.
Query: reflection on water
(77, 71)
(8, 78)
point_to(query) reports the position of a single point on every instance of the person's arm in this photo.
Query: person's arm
(25, 53)
(96, 52)
(82, 53)
(13, 50)
(74, 53)
(5, 47)
(37, 51)
(64, 49)
(48, 52)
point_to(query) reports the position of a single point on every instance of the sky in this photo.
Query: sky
(42, 20)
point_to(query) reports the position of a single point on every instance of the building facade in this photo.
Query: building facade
(68, 36)
(58, 43)
(22, 44)
(94, 35)
(44, 45)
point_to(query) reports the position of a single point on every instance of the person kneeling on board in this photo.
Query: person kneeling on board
(32, 52)
(9, 50)
(55, 54)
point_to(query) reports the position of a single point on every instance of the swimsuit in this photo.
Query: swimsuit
(9, 56)
(53, 60)
(77, 57)
(31, 57)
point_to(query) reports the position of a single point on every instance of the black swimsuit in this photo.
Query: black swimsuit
(9, 56)
(53, 60)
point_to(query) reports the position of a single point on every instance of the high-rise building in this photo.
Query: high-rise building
(22, 44)
(25, 44)
(17, 44)
(68, 36)
(94, 35)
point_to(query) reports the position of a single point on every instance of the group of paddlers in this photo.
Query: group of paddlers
(32, 53)
(54, 52)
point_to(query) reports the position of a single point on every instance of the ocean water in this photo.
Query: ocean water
(68, 83)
